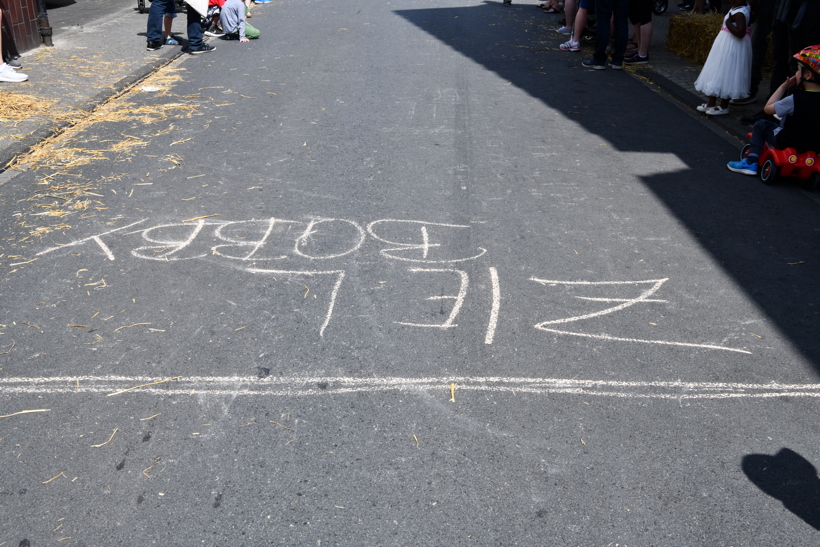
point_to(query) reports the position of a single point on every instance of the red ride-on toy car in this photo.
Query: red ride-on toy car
(774, 163)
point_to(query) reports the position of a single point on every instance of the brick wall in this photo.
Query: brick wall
(22, 15)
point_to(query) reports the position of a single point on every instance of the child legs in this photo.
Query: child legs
(763, 132)
(724, 103)
(251, 33)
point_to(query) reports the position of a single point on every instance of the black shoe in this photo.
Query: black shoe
(153, 46)
(204, 49)
(637, 60)
(14, 62)
(593, 64)
(747, 100)
(214, 31)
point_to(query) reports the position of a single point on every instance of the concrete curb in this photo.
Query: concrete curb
(48, 128)
(730, 124)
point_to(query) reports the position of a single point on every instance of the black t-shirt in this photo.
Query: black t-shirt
(801, 130)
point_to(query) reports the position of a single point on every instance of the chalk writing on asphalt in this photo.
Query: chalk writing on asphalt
(274, 247)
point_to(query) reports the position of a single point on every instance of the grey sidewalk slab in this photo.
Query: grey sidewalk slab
(85, 67)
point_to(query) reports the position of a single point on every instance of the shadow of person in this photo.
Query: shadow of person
(789, 477)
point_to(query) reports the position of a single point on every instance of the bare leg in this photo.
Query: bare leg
(724, 103)
(580, 24)
(570, 9)
(646, 37)
(168, 22)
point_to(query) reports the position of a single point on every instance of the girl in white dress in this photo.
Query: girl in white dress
(727, 71)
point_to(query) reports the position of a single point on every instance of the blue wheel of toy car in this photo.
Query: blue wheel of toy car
(769, 171)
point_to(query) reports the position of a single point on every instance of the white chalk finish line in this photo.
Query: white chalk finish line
(327, 386)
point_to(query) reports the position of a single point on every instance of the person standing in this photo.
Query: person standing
(605, 11)
(727, 71)
(155, 21)
(7, 73)
(640, 14)
(763, 12)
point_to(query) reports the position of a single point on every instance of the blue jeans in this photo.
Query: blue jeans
(158, 10)
(604, 10)
(763, 132)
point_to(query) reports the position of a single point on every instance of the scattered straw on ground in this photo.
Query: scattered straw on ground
(61, 193)
(17, 107)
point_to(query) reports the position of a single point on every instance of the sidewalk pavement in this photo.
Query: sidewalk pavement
(94, 61)
(676, 76)
(89, 63)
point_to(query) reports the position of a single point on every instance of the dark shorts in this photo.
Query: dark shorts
(640, 12)
(586, 4)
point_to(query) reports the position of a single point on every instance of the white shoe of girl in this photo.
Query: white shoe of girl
(717, 111)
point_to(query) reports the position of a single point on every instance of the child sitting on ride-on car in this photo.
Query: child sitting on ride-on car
(799, 114)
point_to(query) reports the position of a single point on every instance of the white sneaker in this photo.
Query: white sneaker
(7, 74)
(570, 46)
(702, 108)
(717, 111)
(563, 30)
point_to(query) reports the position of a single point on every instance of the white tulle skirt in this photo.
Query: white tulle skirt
(727, 72)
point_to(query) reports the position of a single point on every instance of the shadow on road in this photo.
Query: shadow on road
(765, 238)
(790, 478)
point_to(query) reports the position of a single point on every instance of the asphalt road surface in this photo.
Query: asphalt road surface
(402, 273)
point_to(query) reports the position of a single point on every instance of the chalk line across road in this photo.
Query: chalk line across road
(292, 386)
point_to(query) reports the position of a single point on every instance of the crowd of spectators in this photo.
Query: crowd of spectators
(226, 19)
(750, 32)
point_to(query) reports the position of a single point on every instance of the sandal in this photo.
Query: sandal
(552, 10)
(630, 45)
